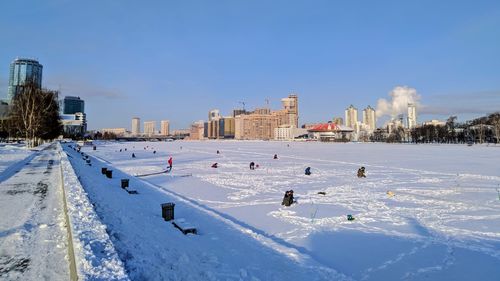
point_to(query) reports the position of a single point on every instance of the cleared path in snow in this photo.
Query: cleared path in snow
(33, 240)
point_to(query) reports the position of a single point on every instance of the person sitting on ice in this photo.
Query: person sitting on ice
(288, 198)
(218, 152)
(214, 165)
(252, 166)
(133, 155)
(275, 156)
(361, 172)
(308, 171)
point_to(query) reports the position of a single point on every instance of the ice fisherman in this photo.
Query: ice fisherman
(275, 156)
(361, 172)
(215, 165)
(288, 198)
(252, 166)
(308, 171)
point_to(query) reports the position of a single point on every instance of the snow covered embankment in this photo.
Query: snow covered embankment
(96, 257)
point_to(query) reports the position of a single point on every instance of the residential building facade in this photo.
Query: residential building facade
(149, 128)
(164, 127)
(136, 126)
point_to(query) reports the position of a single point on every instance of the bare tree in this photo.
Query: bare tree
(35, 114)
(495, 121)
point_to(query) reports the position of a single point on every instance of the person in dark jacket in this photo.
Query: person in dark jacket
(275, 156)
(308, 171)
(361, 172)
(215, 165)
(252, 166)
(288, 198)
(133, 155)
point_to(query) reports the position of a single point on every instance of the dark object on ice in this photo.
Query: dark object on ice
(109, 174)
(322, 193)
(120, 150)
(361, 172)
(275, 156)
(215, 165)
(167, 211)
(252, 166)
(308, 171)
(133, 155)
(94, 147)
(125, 149)
(132, 192)
(184, 228)
(88, 161)
(103, 170)
(288, 199)
(124, 183)
(218, 152)
(350, 218)
(154, 152)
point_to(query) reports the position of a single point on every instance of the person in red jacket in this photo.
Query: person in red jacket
(170, 164)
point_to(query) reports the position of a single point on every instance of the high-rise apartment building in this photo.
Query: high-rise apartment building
(291, 105)
(351, 117)
(23, 71)
(164, 127)
(149, 128)
(369, 118)
(136, 126)
(412, 116)
(72, 105)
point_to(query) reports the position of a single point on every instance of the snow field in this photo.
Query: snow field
(442, 221)
(152, 249)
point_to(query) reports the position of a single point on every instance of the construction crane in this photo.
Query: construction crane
(242, 103)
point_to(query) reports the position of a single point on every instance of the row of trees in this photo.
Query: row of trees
(480, 130)
(33, 116)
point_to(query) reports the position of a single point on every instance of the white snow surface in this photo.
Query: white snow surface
(443, 221)
(424, 212)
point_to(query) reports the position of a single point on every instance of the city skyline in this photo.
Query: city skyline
(157, 60)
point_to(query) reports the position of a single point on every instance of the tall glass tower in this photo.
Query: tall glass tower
(23, 71)
(72, 105)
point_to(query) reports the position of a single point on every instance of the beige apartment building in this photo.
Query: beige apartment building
(164, 127)
(149, 128)
(291, 106)
(197, 131)
(136, 126)
(255, 126)
(351, 117)
(369, 119)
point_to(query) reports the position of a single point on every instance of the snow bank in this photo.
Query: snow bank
(96, 257)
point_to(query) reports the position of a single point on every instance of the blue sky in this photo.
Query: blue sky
(178, 59)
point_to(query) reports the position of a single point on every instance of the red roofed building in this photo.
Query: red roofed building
(330, 132)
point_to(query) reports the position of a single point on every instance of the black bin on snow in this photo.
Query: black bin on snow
(124, 183)
(103, 170)
(167, 211)
(109, 174)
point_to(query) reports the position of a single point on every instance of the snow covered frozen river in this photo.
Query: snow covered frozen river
(423, 212)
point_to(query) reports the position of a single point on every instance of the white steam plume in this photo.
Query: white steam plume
(401, 96)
